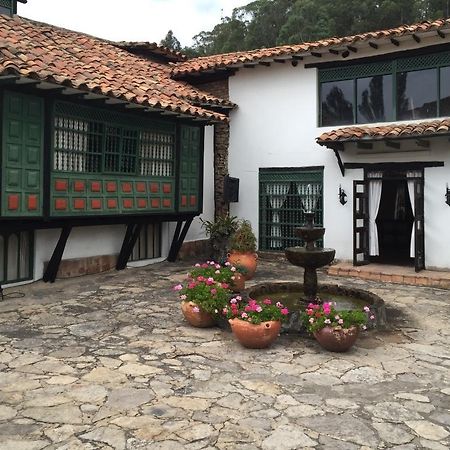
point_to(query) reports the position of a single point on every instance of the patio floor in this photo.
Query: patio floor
(107, 361)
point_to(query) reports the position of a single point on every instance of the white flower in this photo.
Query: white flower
(196, 309)
(233, 269)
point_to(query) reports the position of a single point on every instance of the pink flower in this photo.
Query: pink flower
(340, 321)
(200, 278)
(279, 305)
(213, 291)
(284, 311)
(310, 312)
(327, 321)
(178, 287)
(366, 309)
(238, 298)
(197, 265)
(225, 310)
(191, 285)
(233, 301)
(225, 285)
(233, 269)
(267, 301)
(311, 320)
(196, 309)
(244, 315)
(217, 267)
(372, 317)
(258, 308)
(336, 317)
(212, 263)
(228, 264)
(364, 327)
(210, 281)
(248, 308)
(183, 297)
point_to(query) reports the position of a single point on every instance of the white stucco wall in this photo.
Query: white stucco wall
(276, 125)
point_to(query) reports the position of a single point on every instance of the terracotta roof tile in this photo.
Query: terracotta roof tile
(373, 133)
(47, 53)
(206, 63)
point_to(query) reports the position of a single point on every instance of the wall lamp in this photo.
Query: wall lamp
(343, 195)
(447, 196)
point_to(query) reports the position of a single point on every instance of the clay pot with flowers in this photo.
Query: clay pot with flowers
(255, 324)
(226, 274)
(243, 249)
(334, 330)
(202, 300)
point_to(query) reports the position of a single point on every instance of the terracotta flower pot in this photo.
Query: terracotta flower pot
(335, 339)
(238, 284)
(247, 260)
(255, 336)
(196, 316)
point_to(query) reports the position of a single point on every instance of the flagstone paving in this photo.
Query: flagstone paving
(107, 362)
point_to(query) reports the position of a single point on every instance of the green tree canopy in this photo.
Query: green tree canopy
(170, 41)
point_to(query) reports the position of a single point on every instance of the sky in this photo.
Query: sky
(132, 20)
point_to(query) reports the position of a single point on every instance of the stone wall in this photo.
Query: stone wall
(70, 268)
(219, 88)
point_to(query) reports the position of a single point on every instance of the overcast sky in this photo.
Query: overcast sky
(132, 20)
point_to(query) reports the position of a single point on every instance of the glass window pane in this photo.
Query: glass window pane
(374, 97)
(417, 94)
(13, 258)
(337, 102)
(445, 91)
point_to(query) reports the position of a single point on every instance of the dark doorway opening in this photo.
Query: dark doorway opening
(395, 221)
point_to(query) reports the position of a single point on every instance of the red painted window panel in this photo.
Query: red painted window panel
(96, 204)
(60, 204)
(127, 203)
(183, 200)
(111, 186)
(140, 187)
(79, 203)
(78, 186)
(142, 203)
(13, 202)
(61, 185)
(167, 188)
(193, 200)
(154, 187)
(155, 203)
(112, 203)
(167, 203)
(32, 202)
(126, 187)
(96, 186)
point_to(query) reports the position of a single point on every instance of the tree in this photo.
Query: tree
(170, 41)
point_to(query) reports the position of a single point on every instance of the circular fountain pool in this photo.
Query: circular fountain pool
(292, 296)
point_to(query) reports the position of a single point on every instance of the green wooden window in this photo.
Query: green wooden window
(148, 244)
(403, 89)
(8, 7)
(22, 147)
(95, 141)
(16, 256)
(281, 195)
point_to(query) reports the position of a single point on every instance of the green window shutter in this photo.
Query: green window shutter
(281, 193)
(191, 151)
(22, 155)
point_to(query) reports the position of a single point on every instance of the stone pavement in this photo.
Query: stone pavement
(107, 362)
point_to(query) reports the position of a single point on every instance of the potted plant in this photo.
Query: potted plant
(243, 249)
(255, 324)
(226, 273)
(202, 300)
(219, 232)
(334, 330)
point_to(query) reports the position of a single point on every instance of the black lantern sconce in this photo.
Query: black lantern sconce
(342, 196)
(447, 196)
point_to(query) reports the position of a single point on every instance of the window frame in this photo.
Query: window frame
(353, 72)
(127, 125)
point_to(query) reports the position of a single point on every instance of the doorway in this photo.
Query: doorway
(395, 220)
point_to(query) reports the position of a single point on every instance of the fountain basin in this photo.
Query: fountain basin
(291, 295)
(314, 258)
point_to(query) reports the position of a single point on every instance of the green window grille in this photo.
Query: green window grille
(282, 193)
(148, 244)
(16, 256)
(96, 141)
(390, 98)
(8, 7)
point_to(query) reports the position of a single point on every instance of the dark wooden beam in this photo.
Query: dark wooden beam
(55, 261)
(392, 144)
(397, 166)
(333, 51)
(441, 34)
(345, 54)
(339, 160)
(129, 241)
(178, 239)
(297, 58)
(423, 143)
(250, 65)
(373, 45)
(352, 49)
(280, 60)
(395, 42)
(264, 63)
(294, 63)
(316, 54)
(416, 38)
(364, 145)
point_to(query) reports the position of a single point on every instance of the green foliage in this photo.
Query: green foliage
(209, 295)
(221, 227)
(170, 41)
(210, 269)
(317, 317)
(255, 312)
(268, 23)
(243, 239)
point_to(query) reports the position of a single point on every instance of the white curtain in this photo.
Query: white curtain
(411, 183)
(277, 194)
(375, 188)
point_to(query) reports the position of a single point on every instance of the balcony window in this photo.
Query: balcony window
(374, 99)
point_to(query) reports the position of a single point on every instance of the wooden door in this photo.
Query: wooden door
(360, 223)
(419, 225)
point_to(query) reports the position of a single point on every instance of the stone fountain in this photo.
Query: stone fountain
(297, 295)
(310, 257)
